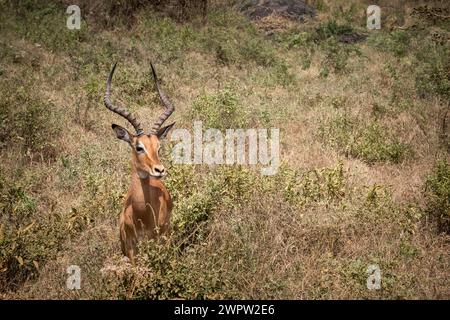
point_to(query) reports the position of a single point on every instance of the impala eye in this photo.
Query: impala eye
(139, 149)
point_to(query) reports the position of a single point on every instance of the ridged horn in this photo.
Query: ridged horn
(168, 105)
(127, 115)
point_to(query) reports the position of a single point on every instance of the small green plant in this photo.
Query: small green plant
(282, 75)
(321, 6)
(297, 39)
(396, 42)
(350, 15)
(331, 29)
(337, 55)
(378, 110)
(167, 38)
(400, 42)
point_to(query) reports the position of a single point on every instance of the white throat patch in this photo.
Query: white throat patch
(142, 174)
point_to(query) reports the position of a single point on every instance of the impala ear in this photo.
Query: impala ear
(121, 133)
(162, 132)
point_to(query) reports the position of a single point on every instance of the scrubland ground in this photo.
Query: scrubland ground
(365, 174)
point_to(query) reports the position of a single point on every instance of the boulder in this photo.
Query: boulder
(292, 9)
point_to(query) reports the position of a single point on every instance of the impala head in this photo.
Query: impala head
(145, 147)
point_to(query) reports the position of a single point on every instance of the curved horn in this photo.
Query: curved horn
(169, 107)
(127, 115)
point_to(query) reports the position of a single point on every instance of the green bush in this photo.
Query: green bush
(296, 39)
(375, 145)
(437, 190)
(367, 141)
(337, 55)
(168, 273)
(432, 74)
(191, 214)
(27, 121)
(350, 15)
(331, 29)
(220, 187)
(326, 184)
(26, 240)
(397, 42)
(220, 110)
(222, 45)
(258, 50)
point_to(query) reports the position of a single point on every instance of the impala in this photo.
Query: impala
(148, 205)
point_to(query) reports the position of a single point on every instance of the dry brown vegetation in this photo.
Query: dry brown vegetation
(365, 146)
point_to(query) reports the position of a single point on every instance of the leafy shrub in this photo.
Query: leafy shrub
(168, 273)
(25, 240)
(220, 110)
(367, 141)
(28, 121)
(432, 74)
(321, 6)
(437, 190)
(337, 55)
(190, 215)
(283, 76)
(397, 42)
(375, 145)
(324, 37)
(222, 187)
(331, 29)
(32, 232)
(350, 15)
(326, 184)
(297, 39)
(259, 51)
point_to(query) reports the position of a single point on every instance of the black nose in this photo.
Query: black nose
(160, 169)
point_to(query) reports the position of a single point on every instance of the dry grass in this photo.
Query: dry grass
(310, 232)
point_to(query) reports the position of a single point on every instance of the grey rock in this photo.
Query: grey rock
(292, 9)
